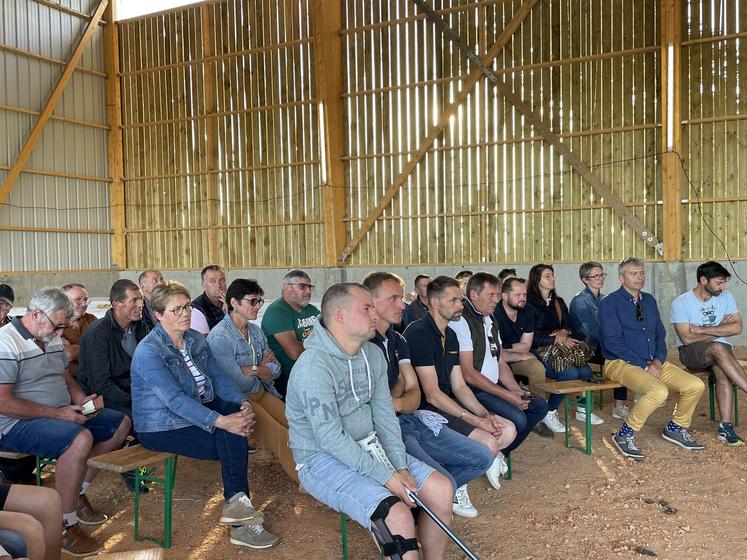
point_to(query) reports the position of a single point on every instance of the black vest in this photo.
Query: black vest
(213, 314)
(476, 323)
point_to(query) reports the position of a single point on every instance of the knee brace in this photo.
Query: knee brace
(393, 546)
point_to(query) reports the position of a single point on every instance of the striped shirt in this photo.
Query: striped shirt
(195, 371)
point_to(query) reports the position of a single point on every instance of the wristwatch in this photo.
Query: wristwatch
(254, 368)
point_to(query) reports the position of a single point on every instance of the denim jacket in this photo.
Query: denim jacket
(232, 351)
(585, 309)
(164, 392)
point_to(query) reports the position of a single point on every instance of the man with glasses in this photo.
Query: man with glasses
(7, 298)
(41, 412)
(288, 321)
(212, 302)
(79, 323)
(585, 309)
(482, 363)
(635, 352)
(107, 347)
(703, 317)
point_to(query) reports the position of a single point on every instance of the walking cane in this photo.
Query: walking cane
(445, 528)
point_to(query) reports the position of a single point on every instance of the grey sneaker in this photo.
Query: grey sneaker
(253, 536)
(681, 438)
(239, 509)
(628, 447)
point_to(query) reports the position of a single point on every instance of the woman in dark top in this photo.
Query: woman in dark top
(554, 325)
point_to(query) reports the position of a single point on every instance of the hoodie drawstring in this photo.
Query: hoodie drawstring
(368, 372)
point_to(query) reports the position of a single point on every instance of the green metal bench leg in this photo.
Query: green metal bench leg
(41, 462)
(711, 398)
(344, 528)
(165, 485)
(736, 403)
(507, 476)
(567, 405)
(589, 401)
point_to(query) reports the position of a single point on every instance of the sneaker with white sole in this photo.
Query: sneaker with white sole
(727, 434)
(682, 438)
(551, 421)
(581, 417)
(462, 505)
(253, 536)
(620, 412)
(494, 472)
(239, 509)
(627, 446)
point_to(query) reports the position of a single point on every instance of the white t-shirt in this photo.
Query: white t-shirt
(687, 308)
(489, 364)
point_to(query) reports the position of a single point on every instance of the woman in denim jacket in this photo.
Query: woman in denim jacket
(241, 350)
(183, 403)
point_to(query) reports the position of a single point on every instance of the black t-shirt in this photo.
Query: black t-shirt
(429, 348)
(511, 332)
(395, 350)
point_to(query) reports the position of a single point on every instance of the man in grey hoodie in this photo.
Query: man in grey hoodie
(338, 396)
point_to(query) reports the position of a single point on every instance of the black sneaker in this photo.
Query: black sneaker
(543, 431)
(628, 447)
(727, 434)
(682, 438)
(251, 448)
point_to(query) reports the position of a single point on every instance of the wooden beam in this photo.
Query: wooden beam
(326, 24)
(69, 11)
(114, 141)
(211, 144)
(671, 130)
(34, 56)
(69, 120)
(51, 102)
(441, 124)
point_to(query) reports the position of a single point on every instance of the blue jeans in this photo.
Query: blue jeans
(50, 438)
(457, 457)
(230, 449)
(338, 486)
(568, 374)
(13, 543)
(524, 420)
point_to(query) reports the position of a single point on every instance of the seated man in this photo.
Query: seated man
(516, 329)
(417, 308)
(7, 299)
(41, 411)
(482, 363)
(454, 455)
(346, 439)
(585, 309)
(635, 353)
(108, 345)
(148, 280)
(288, 321)
(703, 317)
(212, 301)
(434, 352)
(79, 323)
(463, 277)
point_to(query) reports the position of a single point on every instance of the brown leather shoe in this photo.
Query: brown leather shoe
(87, 514)
(76, 542)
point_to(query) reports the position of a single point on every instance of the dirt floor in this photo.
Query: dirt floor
(559, 504)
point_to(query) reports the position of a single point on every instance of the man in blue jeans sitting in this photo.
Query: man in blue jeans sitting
(456, 456)
(484, 368)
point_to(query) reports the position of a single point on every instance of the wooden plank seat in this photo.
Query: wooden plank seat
(12, 455)
(145, 554)
(144, 462)
(574, 387)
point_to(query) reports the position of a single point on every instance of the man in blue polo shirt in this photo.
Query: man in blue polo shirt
(457, 457)
(434, 353)
(635, 353)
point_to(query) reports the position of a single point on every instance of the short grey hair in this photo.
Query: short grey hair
(629, 261)
(50, 300)
(585, 269)
(293, 274)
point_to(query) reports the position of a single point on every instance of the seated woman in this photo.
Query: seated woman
(30, 522)
(585, 309)
(183, 403)
(241, 350)
(554, 325)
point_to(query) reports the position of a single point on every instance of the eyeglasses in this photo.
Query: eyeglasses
(179, 310)
(55, 325)
(254, 302)
(597, 276)
(638, 311)
(80, 300)
(5, 305)
(304, 286)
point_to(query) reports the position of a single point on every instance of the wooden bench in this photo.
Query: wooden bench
(41, 462)
(145, 554)
(573, 387)
(141, 460)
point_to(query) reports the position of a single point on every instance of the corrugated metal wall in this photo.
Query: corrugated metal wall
(57, 213)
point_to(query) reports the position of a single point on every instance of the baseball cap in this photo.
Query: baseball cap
(6, 293)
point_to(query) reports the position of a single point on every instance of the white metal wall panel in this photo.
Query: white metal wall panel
(78, 200)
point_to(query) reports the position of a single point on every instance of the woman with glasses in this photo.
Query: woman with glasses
(554, 325)
(183, 403)
(585, 309)
(241, 350)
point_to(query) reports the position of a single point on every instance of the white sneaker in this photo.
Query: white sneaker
(620, 412)
(462, 505)
(581, 417)
(494, 472)
(551, 421)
